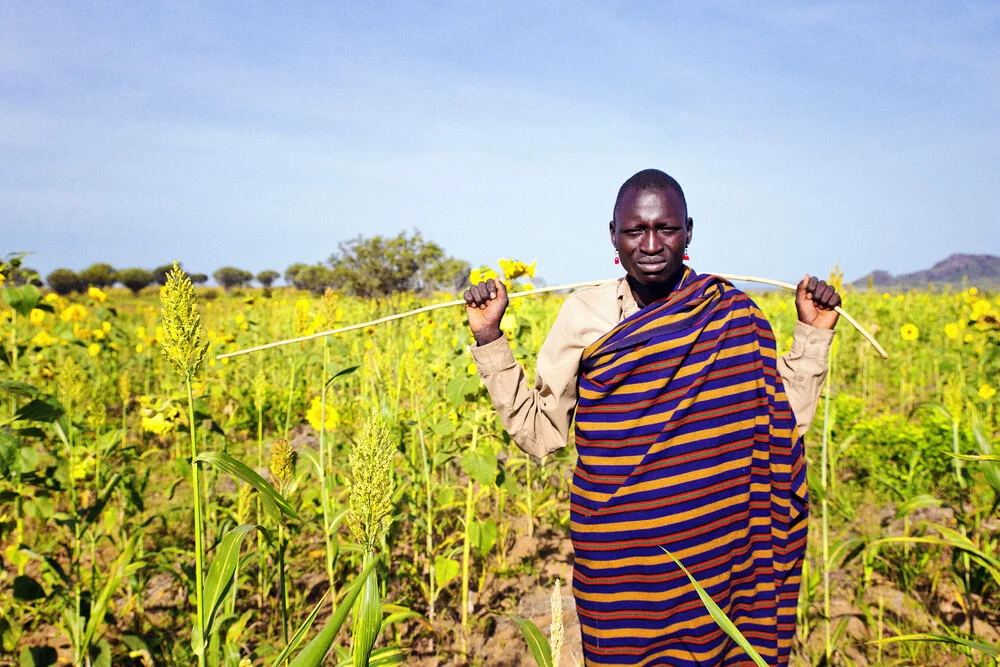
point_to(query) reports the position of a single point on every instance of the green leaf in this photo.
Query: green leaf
(240, 470)
(537, 643)
(483, 534)
(445, 569)
(462, 388)
(38, 656)
(315, 651)
(95, 511)
(300, 634)
(22, 299)
(121, 568)
(984, 458)
(367, 619)
(340, 373)
(27, 589)
(221, 571)
(395, 613)
(14, 388)
(719, 616)
(382, 657)
(988, 649)
(44, 410)
(480, 466)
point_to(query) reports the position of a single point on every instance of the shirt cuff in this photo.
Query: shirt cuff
(493, 357)
(811, 342)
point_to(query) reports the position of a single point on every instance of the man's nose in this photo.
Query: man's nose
(651, 244)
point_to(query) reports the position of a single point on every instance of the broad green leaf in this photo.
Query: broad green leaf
(221, 571)
(300, 634)
(27, 589)
(537, 643)
(38, 656)
(480, 466)
(315, 651)
(988, 649)
(22, 299)
(40, 410)
(483, 535)
(234, 467)
(719, 616)
(462, 388)
(445, 569)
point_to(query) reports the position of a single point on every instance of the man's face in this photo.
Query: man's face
(651, 230)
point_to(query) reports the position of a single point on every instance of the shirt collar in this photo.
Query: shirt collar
(626, 302)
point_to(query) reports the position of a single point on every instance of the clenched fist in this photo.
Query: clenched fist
(485, 305)
(815, 301)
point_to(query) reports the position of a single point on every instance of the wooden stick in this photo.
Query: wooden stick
(399, 316)
(517, 295)
(843, 313)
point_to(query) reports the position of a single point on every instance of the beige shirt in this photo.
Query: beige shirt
(538, 417)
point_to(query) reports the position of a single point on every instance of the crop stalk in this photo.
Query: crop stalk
(825, 506)
(324, 500)
(466, 547)
(429, 517)
(199, 554)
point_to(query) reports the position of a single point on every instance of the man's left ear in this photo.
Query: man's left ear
(690, 226)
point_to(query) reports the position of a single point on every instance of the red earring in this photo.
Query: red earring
(617, 260)
(686, 256)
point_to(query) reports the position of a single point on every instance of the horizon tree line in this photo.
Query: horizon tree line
(366, 267)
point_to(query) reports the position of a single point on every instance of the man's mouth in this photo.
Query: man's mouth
(653, 265)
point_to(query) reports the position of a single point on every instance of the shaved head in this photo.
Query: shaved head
(649, 179)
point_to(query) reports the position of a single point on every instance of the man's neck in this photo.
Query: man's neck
(647, 294)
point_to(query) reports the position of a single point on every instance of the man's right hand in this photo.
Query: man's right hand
(485, 305)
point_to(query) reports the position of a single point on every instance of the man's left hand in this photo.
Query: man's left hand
(815, 301)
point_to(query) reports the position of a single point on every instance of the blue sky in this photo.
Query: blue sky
(261, 134)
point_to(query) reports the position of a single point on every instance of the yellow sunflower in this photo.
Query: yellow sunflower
(909, 332)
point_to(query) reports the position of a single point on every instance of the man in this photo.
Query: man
(685, 437)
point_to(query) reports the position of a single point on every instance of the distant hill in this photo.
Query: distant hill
(979, 270)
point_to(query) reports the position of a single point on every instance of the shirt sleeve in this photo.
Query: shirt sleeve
(536, 417)
(803, 371)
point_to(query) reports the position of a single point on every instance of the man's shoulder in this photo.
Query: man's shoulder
(602, 298)
(589, 312)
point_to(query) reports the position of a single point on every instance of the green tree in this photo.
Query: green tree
(64, 281)
(293, 271)
(380, 266)
(134, 279)
(229, 277)
(199, 278)
(99, 275)
(267, 278)
(315, 278)
(160, 273)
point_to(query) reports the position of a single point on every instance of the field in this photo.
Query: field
(379, 449)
